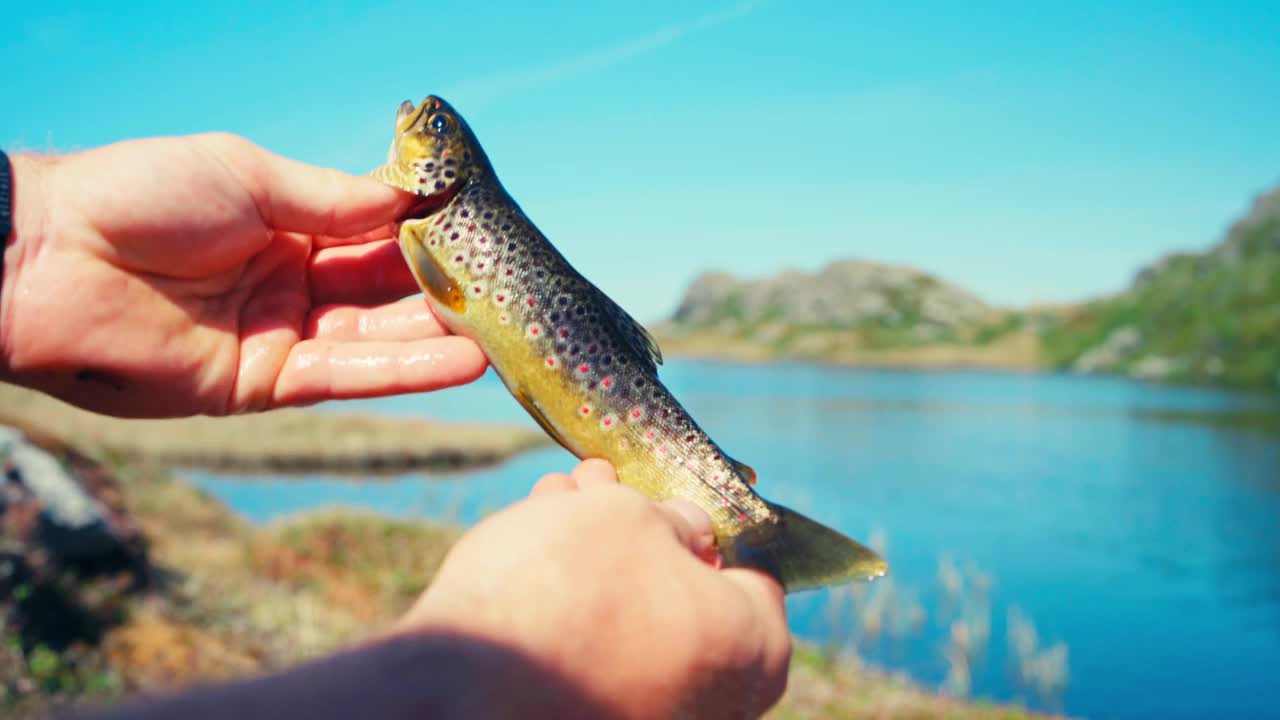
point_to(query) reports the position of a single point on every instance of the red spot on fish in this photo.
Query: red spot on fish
(510, 272)
(636, 413)
(471, 227)
(607, 383)
(483, 240)
(742, 517)
(533, 330)
(650, 435)
(476, 289)
(586, 410)
(724, 502)
(564, 332)
(529, 302)
(608, 422)
(501, 298)
(551, 362)
(583, 369)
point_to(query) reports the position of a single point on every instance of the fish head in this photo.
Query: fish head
(433, 153)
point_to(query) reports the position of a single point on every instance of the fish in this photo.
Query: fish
(582, 367)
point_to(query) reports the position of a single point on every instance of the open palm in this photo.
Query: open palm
(204, 275)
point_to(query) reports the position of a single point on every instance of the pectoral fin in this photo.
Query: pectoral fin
(432, 278)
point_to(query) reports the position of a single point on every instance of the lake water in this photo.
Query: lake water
(1136, 525)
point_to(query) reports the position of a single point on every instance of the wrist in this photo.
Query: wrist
(28, 178)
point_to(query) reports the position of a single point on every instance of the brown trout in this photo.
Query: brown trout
(577, 362)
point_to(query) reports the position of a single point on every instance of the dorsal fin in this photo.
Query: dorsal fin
(748, 473)
(639, 339)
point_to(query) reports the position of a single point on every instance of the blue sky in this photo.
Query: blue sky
(1028, 153)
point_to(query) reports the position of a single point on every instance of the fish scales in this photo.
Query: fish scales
(579, 364)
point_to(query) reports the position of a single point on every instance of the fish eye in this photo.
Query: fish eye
(440, 123)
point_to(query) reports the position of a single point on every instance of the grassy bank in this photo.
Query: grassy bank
(1010, 351)
(279, 441)
(231, 599)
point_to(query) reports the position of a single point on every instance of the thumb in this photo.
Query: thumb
(692, 527)
(296, 197)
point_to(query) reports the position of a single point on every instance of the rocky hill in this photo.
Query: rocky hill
(1210, 317)
(850, 311)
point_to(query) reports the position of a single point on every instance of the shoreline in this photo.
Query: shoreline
(280, 441)
(1017, 352)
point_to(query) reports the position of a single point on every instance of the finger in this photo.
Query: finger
(594, 472)
(767, 597)
(318, 370)
(398, 321)
(368, 274)
(767, 601)
(382, 232)
(298, 197)
(551, 484)
(692, 526)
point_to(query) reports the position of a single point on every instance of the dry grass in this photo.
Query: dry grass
(846, 689)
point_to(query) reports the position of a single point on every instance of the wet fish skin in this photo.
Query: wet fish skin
(578, 363)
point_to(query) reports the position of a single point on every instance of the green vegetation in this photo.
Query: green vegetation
(1211, 318)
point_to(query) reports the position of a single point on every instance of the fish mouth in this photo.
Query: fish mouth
(427, 205)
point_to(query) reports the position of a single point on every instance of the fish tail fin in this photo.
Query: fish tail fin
(803, 554)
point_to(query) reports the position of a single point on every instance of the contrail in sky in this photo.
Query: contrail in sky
(495, 86)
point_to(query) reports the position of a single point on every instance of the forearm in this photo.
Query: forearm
(29, 177)
(431, 675)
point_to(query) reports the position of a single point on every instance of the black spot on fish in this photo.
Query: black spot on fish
(511, 247)
(439, 185)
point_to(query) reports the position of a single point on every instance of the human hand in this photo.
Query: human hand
(613, 593)
(205, 275)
